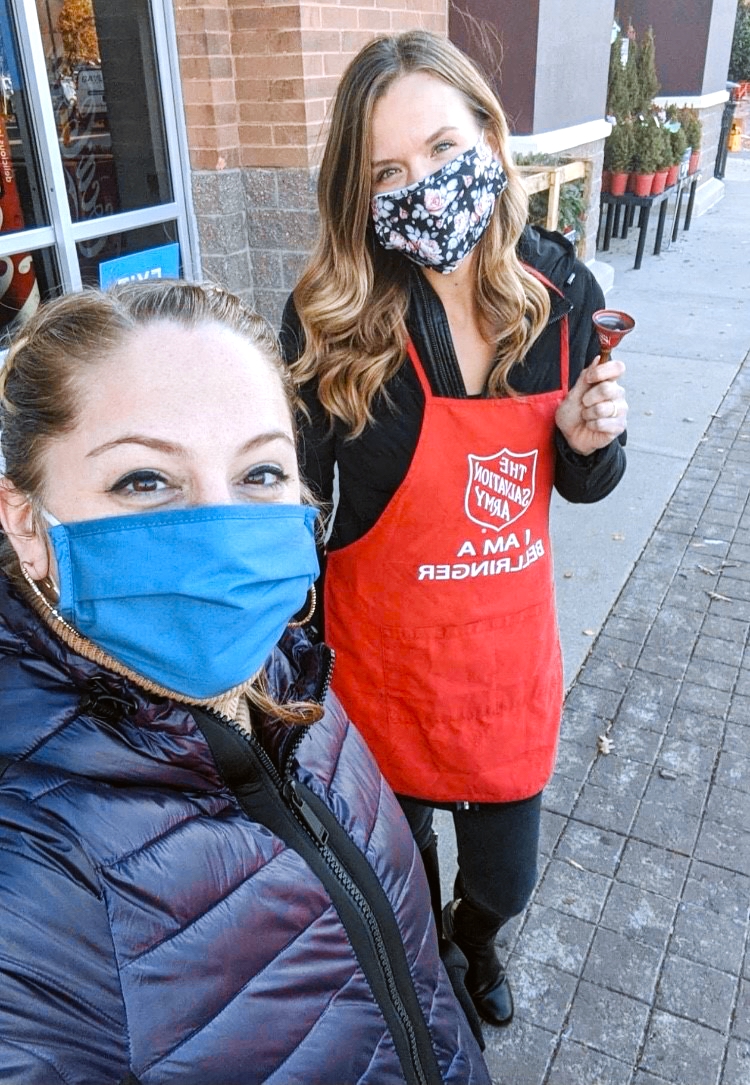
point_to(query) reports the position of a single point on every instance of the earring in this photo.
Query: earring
(50, 585)
(310, 612)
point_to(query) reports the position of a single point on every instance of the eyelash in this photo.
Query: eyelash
(439, 148)
(280, 478)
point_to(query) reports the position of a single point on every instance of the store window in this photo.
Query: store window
(92, 154)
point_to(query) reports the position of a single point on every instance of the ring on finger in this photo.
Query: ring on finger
(615, 409)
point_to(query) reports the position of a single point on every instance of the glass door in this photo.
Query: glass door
(92, 148)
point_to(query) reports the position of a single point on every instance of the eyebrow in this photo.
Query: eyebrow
(430, 139)
(171, 449)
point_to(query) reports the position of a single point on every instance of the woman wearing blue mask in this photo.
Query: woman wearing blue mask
(444, 351)
(203, 878)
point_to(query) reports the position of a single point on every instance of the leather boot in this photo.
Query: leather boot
(486, 980)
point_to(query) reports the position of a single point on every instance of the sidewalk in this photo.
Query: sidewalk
(631, 964)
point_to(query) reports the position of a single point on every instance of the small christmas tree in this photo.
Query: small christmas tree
(618, 149)
(678, 144)
(635, 98)
(663, 149)
(647, 140)
(645, 63)
(618, 98)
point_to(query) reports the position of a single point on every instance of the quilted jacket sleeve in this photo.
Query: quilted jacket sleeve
(61, 1011)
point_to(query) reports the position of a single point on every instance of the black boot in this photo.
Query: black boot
(486, 980)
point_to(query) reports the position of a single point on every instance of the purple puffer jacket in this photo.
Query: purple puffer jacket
(183, 904)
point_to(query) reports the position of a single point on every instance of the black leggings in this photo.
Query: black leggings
(497, 852)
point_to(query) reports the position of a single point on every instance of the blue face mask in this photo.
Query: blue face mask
(193, 599)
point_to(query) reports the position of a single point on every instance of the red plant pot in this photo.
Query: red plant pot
(642, 183)
(695, 158)
(672, 174)
(659, 182)
(606, 180)
(617, 183)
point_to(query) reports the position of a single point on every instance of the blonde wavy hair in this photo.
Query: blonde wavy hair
(352, 297)
(49, 363)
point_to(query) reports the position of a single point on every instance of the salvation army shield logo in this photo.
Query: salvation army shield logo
(500, 488)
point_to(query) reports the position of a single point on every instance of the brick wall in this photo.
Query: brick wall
(258, 77)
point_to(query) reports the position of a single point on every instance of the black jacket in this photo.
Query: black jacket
(372, 467)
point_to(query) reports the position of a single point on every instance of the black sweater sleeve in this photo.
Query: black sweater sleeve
(586, 479)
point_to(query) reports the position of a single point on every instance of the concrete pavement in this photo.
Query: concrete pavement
(631, 964)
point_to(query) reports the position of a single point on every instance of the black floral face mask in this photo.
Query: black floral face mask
(437, 221)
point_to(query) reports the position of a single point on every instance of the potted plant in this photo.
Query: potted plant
(618, 156)
(646, 150)
(663, 161)
(679, 144)
(693, 132)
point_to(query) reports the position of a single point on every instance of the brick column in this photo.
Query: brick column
(258, 77)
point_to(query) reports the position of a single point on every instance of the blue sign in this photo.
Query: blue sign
(162, 262)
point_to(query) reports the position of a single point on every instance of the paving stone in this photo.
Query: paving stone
(737, 1067)
(710, 673)
(726, 627)
(593, 848)
(739, 710)
(592, 701)
(654, 868)
(679, 793)
(724, 846)
(686, 757)
(642, 1077)
(737, 739)
(581, 727)
(701, 698)
(722, 891)
(622, 964)
(696, 727)
(607, 1021)
(652, 696)
(518, 1054)
(729, 807)
(574, 759)
(718, 650)
(663, 662)
(555, 939)
(741, 1020)
(573, 890)
(560, 794)
(628, 629)
(655, 826)
(606, 809)
(550, 829)
(704, 936)
(697, 992)
(541, 994)
(575, 1063)
(682, 1051)
(634, 911)
(635, 741)
(733, 771)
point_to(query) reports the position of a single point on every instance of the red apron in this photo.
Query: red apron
(443, 615)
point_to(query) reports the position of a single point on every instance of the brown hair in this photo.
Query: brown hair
(352, 297)
(62, 344)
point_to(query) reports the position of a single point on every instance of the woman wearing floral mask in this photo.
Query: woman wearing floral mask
(445, 355)
(203, 877)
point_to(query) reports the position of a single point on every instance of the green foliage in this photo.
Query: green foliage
(647, 142)
(678, 144)
(635, 97)
(619, 148)
(618, 98)
(645, 64)
(739, 60)
(692, 127)
(663, 149)
(573, 205)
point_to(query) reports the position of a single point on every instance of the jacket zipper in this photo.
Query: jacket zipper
(290, 791)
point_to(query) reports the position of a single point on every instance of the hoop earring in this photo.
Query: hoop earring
(310, 612)
(42, 597)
